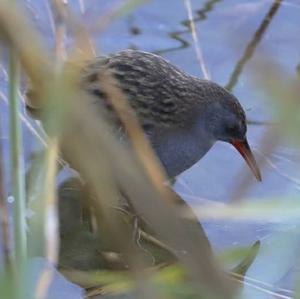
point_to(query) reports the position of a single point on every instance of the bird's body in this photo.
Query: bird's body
(182, 116)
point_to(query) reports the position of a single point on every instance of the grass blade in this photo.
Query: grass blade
(17, 167)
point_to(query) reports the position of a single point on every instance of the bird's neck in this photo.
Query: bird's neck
(180, 150)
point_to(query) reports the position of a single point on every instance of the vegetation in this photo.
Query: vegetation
(112, 249)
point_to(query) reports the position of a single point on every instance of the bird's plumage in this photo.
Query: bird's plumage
(159, 92)
(171, 105)
(181, 115)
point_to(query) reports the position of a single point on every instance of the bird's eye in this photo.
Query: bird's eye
(232, 129)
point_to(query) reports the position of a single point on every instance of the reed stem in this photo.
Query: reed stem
(17, 163)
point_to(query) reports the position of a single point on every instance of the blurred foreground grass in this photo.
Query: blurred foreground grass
(89, 227)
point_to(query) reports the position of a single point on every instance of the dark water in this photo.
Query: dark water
(233, 34)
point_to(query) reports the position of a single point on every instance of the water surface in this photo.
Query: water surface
(233, 35)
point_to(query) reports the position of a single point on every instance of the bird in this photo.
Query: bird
(182, 116)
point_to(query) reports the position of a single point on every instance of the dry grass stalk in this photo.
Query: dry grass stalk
(51, 222)
(196, 41)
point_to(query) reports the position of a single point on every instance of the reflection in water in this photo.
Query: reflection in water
(177, 35)
(252, 45)
(208, 6)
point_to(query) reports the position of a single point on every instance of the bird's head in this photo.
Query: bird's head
(225, 119)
